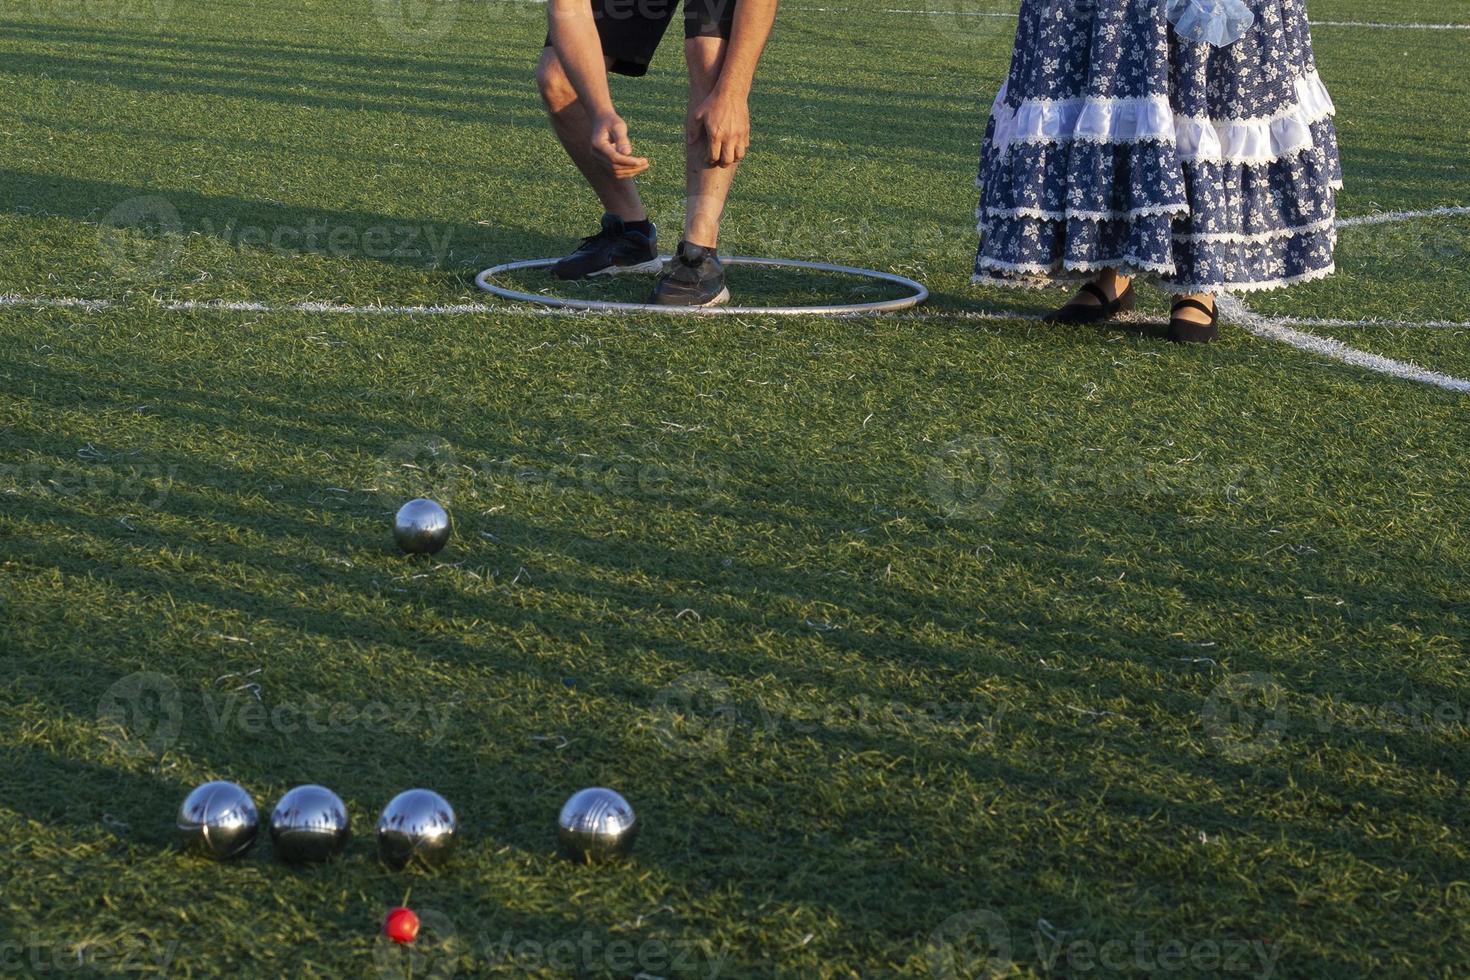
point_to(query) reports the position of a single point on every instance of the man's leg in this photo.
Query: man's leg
(706, 185)
(574, 129)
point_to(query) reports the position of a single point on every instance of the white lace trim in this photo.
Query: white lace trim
(1041, 214)
(1037, 269)
(1240, 238)
(1254, 287)
(1255, 140)
(1041, 279)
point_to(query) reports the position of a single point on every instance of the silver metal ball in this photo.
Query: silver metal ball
(218, 820)
(309, 824)
(596, 824)
(421, 527)
(417, 826)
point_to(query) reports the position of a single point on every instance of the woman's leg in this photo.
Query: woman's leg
(1110, 282)
(1195, 319)
(1190, 313)
(1108, 294)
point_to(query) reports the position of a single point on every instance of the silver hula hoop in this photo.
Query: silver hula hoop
(485, 281)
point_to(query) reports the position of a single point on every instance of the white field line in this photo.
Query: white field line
(473, 309)
(42, 302)
(1394, 217)
(1238, 313)
(1329, 324)
(1008, 15)
(1391, 27)
(1233, 309)
(1011, 15)
(451, 309)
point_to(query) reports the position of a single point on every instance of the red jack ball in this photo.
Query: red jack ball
(401, 926)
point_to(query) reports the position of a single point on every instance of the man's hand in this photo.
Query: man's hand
(723, 121)
(611, 143)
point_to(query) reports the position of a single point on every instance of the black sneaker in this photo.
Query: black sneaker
(693, 277)
(614, 251)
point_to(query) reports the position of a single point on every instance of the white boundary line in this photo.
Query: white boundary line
(44, 303)
(515, 309)
(918, 291)
(1234, 310)
(1238, 313)
(1012, 14)
(1329, 324)
(1391, 27)
(1394, 217)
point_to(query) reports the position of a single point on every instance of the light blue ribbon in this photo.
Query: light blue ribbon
(1217, 22)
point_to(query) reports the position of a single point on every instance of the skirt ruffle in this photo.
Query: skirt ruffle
(1235, 198)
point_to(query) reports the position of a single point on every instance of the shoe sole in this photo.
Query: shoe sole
(722, 298)
(642, 269)
(1193, 333)
(1087, 316)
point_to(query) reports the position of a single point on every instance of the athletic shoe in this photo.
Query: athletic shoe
(693, 277)
(614, 251)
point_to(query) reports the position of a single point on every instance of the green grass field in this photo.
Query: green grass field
(940, 645)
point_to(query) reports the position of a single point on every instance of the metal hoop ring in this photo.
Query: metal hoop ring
(485, 281)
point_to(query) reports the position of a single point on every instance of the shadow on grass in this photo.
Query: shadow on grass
(165, 215)
(897, 817)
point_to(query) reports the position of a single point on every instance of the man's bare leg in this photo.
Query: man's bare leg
(707, 185)
(574, 129)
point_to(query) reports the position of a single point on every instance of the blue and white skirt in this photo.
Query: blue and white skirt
(1116, 144)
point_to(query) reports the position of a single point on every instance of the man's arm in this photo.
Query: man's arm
(724, 118)
(574, 38)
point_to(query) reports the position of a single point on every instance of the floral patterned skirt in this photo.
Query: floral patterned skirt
(1115, 144)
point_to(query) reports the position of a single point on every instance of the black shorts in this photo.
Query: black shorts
(632, 29)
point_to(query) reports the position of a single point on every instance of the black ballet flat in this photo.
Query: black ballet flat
(1080, 314)
(1187, 331)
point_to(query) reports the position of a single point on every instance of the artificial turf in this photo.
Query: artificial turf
(927, 645)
